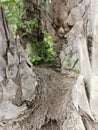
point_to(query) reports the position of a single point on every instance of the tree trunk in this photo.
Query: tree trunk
(35, 98)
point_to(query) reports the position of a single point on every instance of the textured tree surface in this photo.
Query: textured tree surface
(63, 25)
(39, 98)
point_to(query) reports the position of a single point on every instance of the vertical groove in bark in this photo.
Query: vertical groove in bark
(56, 23)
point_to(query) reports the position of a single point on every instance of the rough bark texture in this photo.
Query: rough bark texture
(39, 98)
(63, 17)
(68, 15)
(25, 103)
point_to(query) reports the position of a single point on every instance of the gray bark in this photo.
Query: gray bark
(37, 98)
(75, 44)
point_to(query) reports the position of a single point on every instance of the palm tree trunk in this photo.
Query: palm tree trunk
(34, 98)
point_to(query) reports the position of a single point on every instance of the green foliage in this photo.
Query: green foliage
(14, 12)
(41, 52)
(38, 51)
(26, 26)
